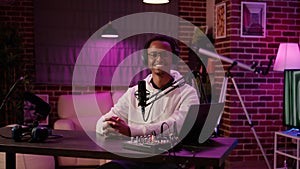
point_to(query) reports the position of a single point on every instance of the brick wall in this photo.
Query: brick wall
(17, 15)
(262, 95)
(193, 11)
(20, 14)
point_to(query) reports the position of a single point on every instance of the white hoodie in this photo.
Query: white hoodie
(169, 108)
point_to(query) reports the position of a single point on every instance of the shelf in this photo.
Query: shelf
(287, 144)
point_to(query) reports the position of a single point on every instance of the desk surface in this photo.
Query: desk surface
(79, 144)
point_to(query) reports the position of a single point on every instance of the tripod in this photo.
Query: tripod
(228, 76)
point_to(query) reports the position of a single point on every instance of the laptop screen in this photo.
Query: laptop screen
(200, 123)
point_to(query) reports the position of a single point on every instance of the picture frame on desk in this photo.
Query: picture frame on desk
(253, 19)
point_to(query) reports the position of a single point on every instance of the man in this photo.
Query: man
(126, 117)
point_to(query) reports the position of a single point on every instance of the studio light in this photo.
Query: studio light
(288, 57)
(109, 32)
(156, 1)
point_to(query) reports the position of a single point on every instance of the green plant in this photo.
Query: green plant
(11, 68)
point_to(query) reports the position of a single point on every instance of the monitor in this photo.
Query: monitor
(200, 123)
(291, 107)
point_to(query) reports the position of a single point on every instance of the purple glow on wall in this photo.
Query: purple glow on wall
(123, 61)
(63, 27)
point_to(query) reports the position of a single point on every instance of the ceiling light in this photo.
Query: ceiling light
(109, 32)
(156, 1)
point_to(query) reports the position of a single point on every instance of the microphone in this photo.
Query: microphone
(142, 95)
(10, 90)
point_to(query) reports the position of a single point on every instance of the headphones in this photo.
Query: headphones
(36, 134)
(171, 41)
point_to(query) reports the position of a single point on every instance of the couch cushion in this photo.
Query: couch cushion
(64, 124)
(88, 112)
(86, 105)
(80, 123)
(116, 96)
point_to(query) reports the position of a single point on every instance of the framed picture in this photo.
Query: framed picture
(253, 19)
(220, 20)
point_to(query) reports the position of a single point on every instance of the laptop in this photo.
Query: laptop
(200, 123)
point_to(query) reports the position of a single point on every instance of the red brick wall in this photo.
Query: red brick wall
(193, 11)
(262, 95)
(18, 15)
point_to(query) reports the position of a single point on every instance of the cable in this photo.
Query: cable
(6, 137)
(145, 120)
(55, 136)
(6, 98)
(162, 127)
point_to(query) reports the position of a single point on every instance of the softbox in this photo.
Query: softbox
(35, 108)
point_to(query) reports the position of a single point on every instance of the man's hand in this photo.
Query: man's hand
(118, 125)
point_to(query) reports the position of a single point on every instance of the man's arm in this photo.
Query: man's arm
(102, 125)
(189, 97)
(120, 109)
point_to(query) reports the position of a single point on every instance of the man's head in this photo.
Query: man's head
(160, 53)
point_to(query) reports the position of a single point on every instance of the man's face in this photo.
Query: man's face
(160, 57)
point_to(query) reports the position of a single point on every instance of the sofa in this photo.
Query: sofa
(89, 108)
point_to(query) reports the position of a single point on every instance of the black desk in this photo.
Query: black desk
(78, 144)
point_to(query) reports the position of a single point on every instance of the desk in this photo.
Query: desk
(79, 144)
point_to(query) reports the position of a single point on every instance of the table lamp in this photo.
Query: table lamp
(288, 57)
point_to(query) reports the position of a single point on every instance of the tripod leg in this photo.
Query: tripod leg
(223, 90)
(221, 100)
(250, 123)
(203, 94)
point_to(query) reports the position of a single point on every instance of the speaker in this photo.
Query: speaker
(171, 41)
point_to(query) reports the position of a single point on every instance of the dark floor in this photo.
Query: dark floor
(248, 165)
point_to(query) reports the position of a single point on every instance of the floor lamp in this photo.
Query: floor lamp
(288, 57)
(228, 76)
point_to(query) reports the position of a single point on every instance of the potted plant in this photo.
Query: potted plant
(11, 70)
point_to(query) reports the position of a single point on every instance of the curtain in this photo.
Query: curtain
(68, 47)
